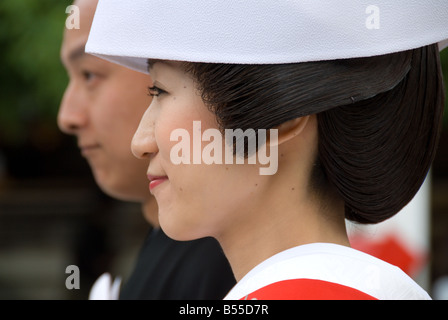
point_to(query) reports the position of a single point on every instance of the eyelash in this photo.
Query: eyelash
(155, 91)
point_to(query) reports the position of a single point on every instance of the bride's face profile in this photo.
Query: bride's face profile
(195, 199)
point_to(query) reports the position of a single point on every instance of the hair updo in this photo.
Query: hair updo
(379, 119)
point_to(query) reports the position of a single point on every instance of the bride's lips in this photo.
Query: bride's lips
(154, 181)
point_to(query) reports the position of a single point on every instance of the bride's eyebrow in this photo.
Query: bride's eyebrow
(150, 62)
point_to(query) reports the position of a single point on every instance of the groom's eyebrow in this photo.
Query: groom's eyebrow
(77, 53)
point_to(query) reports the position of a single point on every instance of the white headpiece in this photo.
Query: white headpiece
(262, 31)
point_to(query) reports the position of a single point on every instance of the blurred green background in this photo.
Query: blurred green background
(51, 212)
(32, 78)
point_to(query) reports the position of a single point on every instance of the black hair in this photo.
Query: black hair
(379, 119)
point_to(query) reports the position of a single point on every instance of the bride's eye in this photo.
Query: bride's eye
(155, 91)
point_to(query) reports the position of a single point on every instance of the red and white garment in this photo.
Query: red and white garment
(322, 271)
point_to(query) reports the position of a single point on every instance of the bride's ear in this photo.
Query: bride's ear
(290, 129)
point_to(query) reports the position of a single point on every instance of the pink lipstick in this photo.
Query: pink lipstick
(154, 181)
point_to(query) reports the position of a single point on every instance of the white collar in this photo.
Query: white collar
(333, 263)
